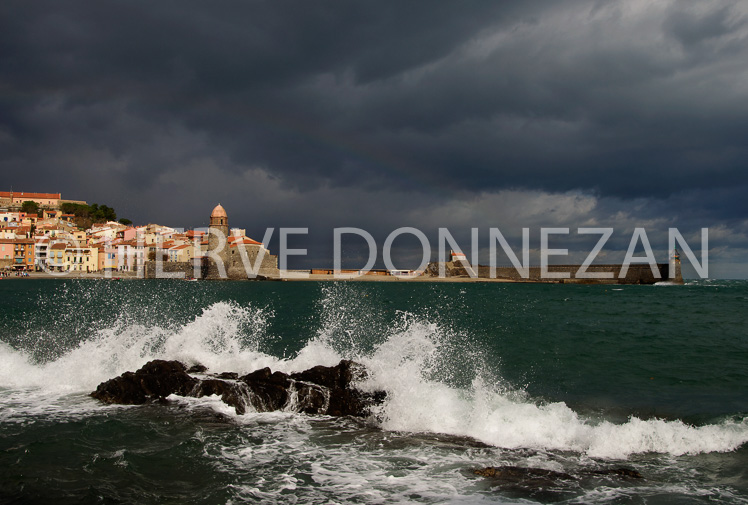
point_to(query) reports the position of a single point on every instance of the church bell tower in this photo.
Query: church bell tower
(219, 227)
(219, 220)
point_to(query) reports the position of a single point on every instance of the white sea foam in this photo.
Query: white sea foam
(217, 339)
(407, 363)
(510, 420)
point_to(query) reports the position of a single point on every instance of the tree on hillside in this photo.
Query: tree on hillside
(76, 209)
(125, 221)
(102, 213)
(30, 207)
(85, 215)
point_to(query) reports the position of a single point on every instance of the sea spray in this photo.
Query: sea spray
(224, 336)
(437, 380)
(416, 364)
(502, 417)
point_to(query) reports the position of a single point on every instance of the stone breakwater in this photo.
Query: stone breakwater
(320, 390)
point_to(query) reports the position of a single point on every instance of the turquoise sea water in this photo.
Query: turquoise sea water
(566, 378)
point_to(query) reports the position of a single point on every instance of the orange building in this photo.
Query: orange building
(18, 197)
(17, 253)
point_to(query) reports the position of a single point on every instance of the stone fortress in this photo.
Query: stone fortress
(223, 254)
(238, 254)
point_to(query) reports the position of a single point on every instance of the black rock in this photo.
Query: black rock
(536, 477)
(546, 485)
(156, 380)
(319, 390)
(620, 472)
(269, 390)
(234, 394)
(535, 484)
(344, 399)
(337, 377)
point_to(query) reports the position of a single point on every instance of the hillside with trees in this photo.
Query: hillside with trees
(87, 215)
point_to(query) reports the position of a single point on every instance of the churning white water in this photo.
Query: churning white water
(405, 363)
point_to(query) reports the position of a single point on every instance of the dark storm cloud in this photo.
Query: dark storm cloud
(380, 113)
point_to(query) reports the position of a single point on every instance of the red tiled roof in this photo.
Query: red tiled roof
(21, 194)
(17, 240)
(242, 240)
(246, 240)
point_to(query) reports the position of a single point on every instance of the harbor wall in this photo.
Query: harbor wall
(182, 269)
(636, 274)
(233, 267)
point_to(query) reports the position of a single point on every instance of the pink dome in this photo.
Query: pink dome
(219, 211)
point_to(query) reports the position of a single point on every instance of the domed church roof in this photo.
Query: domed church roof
(219, 211)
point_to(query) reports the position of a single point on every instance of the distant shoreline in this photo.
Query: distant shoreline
(328, 278)
(310, 277)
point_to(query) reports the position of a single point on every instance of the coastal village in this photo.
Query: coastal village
(50, 241)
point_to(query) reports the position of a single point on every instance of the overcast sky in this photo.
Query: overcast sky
(387, 114)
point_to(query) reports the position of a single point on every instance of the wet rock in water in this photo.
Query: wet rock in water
(535, 477)
(333, 377)
(319, 390)
(344, 400)
(545, 485)
(197, 368)
(531, 483)
(269, 390)
(231, 393)
(156, 380)
(620, 472)
(312, 399)
(518, 474)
